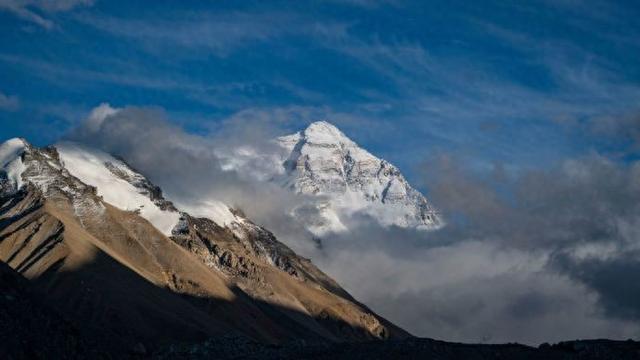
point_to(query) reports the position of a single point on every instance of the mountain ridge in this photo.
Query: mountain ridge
(81, 250)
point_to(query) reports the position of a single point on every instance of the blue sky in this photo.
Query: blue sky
(512, 82)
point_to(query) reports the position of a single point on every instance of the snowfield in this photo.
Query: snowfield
(92, 167)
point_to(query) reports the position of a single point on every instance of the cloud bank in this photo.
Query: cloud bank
(534, 256)
(542, 256)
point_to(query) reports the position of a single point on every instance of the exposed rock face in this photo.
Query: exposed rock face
(113, 272)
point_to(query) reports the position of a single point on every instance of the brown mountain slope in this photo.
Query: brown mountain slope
(116, 277)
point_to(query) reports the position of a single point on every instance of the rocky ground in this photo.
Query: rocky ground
(416, 348)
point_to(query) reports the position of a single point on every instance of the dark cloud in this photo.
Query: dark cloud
(571, 202)
(614, 135)
(615, 280)
(625, 127)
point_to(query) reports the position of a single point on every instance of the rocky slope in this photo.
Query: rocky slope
(345, 179)
(104, 249)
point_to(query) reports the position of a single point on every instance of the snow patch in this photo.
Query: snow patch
(210, 209)
(322, 132)
(90, 166)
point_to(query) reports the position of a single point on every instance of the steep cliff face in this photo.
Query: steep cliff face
(106, 250)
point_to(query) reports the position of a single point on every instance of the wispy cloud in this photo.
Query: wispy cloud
(235, 95)
(57, 72)
(369, 4)
(219, 33)
(34, 10)
(459, 89)
(9, 103)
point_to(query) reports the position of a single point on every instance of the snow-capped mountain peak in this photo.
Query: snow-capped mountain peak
(338, 178)
(321, 160)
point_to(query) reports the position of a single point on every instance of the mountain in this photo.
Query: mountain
(103, 248)
(345, 179)
(96, 263)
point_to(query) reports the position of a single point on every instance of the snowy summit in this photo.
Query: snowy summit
(323, 161)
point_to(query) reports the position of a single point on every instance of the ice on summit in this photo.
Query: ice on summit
(339, 178)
